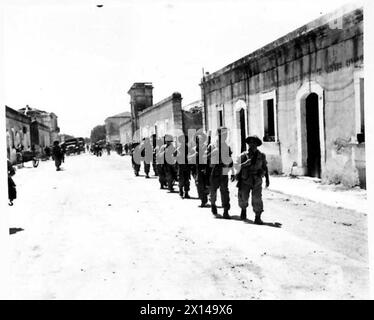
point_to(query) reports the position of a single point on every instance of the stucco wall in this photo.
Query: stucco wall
(325, 60)
(125, 132)
(165, 117)
(17, 132)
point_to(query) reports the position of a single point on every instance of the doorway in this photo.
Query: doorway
(242, 130)
(313, 136)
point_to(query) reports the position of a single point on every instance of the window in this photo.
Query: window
(268, 112)
(269, 120)
(220, 116)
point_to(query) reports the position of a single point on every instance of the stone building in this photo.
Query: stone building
(141, 97)
(113, 124)
(125, 132)
(40, 135)
(17, 132)
(46, 120)
(164, 117)
(193, 116)
(303, 94)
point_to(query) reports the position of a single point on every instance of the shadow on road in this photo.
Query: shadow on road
(237, 218)
(15, 230)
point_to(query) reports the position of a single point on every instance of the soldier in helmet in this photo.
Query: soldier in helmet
(135, 158)
(170, 162)
(159, 152)
(200, 168)
(57, 155)
(184, 170)
(221, 164)
(252, 168)
(147, 155)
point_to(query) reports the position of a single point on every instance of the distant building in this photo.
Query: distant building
(17, 132)
(141, 97)
(193, 116)
(303, 95)
(164, 117)
(40, 135)
(125, 132)
(45, 119)
(113, 124)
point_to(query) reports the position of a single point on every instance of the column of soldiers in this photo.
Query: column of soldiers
(210, 164)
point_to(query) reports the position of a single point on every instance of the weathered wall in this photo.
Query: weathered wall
(288, 70)
(17, 132)
(162, 118)
(125, 132)
(192, 121)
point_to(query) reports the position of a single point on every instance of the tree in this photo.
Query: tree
(98, 133)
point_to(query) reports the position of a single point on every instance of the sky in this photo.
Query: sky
(78, 61)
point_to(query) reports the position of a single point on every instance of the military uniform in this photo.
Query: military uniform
(219, 176)
(200, 172)
(170, 168)
(135, 164)
(160, 159)
(57, 155)
(184, 170)
(147, 155)
(253, 168)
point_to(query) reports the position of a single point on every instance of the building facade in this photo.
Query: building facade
(164, 117)
(113, 125)
(125, 132)
(40, 136)
(46, 120)
(17, 132)
(303, 95)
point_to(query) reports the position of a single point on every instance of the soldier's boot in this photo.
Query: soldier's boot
(181, 192)
(226, 214)
(161, 186)
(147, 176)
(214, 209)
(204, 202)
(186, 195)
(258, 219)
(243, 215)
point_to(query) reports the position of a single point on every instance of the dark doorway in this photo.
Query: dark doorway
(312, 133)
(242, 129)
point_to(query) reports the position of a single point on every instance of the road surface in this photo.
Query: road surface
(95, 231)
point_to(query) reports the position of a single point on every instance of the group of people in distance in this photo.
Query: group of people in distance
(210, 164)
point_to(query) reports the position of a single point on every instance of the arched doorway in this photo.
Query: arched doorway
(242, 129)
(240, 126)
(313, 136)
(310, 106)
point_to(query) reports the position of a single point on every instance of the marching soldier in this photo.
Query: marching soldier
(221, 164)
(160, 160)
(147, 155)
(184, 170)
(154, 155)
(200, 170)
(170, 162)
(252, 168)
(57, 155)
(135, 160)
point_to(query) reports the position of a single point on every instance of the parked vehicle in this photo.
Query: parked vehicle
(26, 156)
